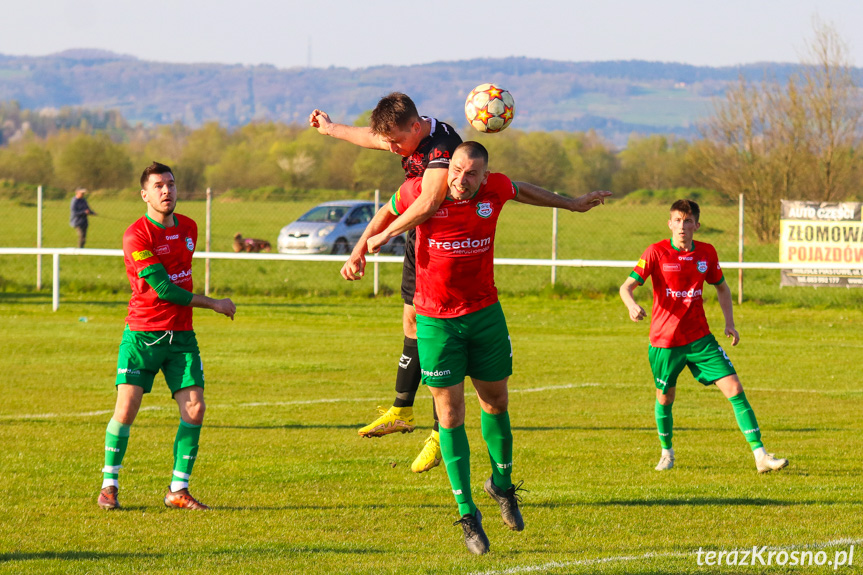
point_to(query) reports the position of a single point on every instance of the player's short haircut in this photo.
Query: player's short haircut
(394, 112)
(154, 168)
(474, 151)
(687, 207)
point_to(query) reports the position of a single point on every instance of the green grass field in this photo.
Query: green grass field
(294, 489)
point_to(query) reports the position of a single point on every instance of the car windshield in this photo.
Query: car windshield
(328, 214)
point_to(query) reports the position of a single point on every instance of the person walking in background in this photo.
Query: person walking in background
(79, 210)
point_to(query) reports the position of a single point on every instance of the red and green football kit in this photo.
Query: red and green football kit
(147, 246)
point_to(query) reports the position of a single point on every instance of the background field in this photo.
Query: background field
(294, 489)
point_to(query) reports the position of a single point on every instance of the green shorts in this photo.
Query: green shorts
(476, 344)
(705, 358)
(143, 353)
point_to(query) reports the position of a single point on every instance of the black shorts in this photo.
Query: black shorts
(409, 269)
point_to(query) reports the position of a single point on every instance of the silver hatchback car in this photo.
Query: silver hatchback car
(332, 228)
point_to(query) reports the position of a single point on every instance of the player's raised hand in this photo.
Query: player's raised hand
(732, 333)
(590, 200)
(225, 307)
(354, 268)
(321, 121)
(636, 312)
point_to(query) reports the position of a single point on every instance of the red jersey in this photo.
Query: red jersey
(678, 280)
(455, 248)
(146, 245)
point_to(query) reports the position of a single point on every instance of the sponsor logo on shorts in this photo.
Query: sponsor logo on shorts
(127, 371)
(190, 245)
(661, 382)
(174, 237)
(142, 255)
(686, 294)
(404, 361)
(162, 250)
(702, 266)
(671, 267)
(436, 373)
(484, 209)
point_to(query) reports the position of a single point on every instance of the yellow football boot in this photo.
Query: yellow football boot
(430, 456)
(392, 420)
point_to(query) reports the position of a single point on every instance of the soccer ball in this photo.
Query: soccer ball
(489, 108)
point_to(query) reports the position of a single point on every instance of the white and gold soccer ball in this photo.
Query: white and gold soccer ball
(489, 108)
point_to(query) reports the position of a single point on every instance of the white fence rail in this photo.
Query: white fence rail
(376, 259)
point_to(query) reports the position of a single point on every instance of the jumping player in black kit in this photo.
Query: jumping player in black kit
(426, 146)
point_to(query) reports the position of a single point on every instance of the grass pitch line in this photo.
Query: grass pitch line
(652, 555)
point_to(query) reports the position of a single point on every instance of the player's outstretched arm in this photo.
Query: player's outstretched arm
(355, 267)
(636, 312)
(536, 196)
(726, 303)
(223, 306)
(434, 188)
(360, 136)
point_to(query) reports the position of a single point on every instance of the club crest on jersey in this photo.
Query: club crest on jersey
(190, 245)
(484, 209)
(702, 266)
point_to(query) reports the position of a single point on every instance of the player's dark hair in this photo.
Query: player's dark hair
(154, 168)
(474, 151)
(687, 207)
(394, 112)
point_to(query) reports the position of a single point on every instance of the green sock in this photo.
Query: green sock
(456, 456)
(116, 441)
(664, 423)
(746, 420)
(185, 452)
(498, 439)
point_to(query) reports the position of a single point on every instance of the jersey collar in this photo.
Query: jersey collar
(157, 224)
(691, 249)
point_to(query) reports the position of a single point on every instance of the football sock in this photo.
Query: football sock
(746, 420)
(455, 451)
(664, 423)
(116, 441)
(498, 439)
(185, 452)
(408, 376)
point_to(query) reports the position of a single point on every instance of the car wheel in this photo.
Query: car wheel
(341, 247)
(399, 246)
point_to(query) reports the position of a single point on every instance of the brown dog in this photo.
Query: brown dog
(242, 244)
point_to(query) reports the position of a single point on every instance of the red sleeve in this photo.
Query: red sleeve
(645, 266)
(409, 191)
(714, 271)
(139, 252)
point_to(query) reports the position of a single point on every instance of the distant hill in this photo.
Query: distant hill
(614, 98)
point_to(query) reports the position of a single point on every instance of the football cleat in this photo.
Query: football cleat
(508, 500)
(474, 536)
(430, 455)
(108, 498)
(666, 462)
(392, 420)
(183, 500)
(769, 463)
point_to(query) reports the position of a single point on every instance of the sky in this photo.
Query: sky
(363, 33)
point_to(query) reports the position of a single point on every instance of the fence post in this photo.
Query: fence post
(377, 264)
(55, 281)
(740, 253)
(207, 240)
(39, 238)
(553, 245)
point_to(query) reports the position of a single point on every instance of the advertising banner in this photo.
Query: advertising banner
(821, 233)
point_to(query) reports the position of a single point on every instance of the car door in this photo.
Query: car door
(357, 221)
